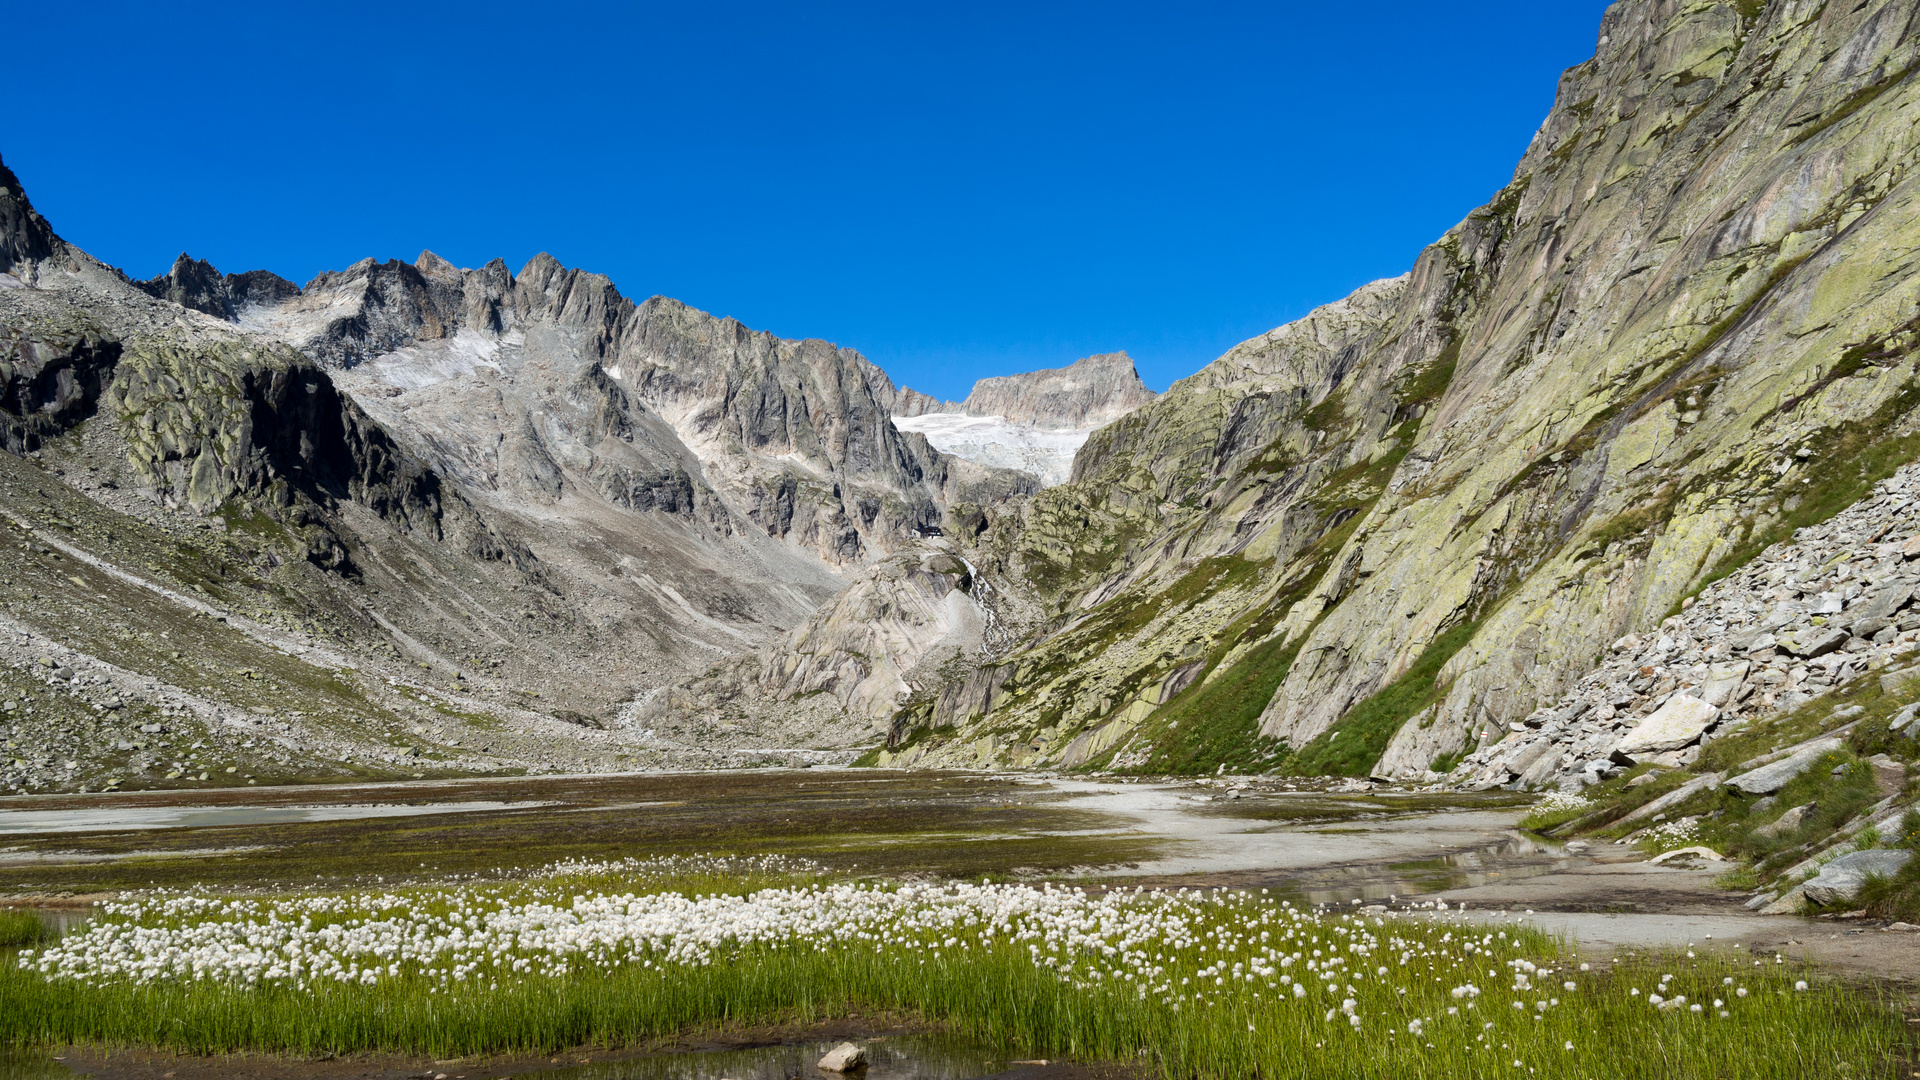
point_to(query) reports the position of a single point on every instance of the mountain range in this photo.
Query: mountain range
(412, 518)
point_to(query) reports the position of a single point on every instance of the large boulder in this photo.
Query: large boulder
(1680, 722)
(1842, 879)
(1768, 779)
(1724, 682)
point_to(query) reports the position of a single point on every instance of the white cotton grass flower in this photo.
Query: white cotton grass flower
(1194, 952)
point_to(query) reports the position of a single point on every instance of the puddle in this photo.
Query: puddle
(18, 1064)
(897, 1057)
(132, 818)
(1262, 838)
(1511, 857)
(64, 920)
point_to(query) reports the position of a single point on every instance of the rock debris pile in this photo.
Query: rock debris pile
(1801, 619)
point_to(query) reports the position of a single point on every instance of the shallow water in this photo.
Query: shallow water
(30, 1065)
(110, 818)
(898, 1057)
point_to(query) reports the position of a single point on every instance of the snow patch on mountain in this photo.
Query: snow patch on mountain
(993, 440)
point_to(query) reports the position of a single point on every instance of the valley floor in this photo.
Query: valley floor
(1313, 844)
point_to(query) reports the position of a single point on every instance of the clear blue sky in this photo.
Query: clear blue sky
(954, 189)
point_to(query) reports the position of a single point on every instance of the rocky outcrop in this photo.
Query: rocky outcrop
(792, 435)
(25, 236)
(258, 288)
(206, 424)
(1452, 491)
(193, 284)
(1086, 394)
(910, 402)
(1798, 621)
(848, 667)
(51, 377)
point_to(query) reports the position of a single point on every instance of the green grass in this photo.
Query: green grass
(990, 988)
(1217, 723)
(1353, 745)
(19, 926)
(1551, 813)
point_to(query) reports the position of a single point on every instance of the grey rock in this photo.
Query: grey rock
(1842, 879)
(1675, 724)
(845, 1057)
(1814, 642)
(1876, 610)
(1674, 798)
(1786, 822)
(1768, 779)
(1901, 683)
(1087, 393)
(194, 284)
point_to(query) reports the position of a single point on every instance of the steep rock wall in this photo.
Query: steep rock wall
(1574, 408)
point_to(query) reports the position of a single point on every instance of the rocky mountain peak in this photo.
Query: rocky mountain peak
(194, 284)
(1089, 392)
(25, 236)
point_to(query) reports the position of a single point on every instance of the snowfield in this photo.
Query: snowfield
(992, 440)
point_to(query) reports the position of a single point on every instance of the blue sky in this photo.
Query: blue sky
(956, 190)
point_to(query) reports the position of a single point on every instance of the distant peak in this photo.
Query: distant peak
(25, 236)
(192, 283)
(1089, 392)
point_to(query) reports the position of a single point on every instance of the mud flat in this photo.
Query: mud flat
(1314, 846)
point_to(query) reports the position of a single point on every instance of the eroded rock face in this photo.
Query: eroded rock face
(1581, 401)
(848, 667)
(792, 435)
(26, 239)
(193, 284)
(1088, 393)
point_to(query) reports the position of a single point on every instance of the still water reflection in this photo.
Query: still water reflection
(899, 1057)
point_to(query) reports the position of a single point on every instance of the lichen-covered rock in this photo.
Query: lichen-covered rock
(1580, 402)
(1841, 880)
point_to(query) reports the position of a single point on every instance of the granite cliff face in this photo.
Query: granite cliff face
(1086, 394)
(1089, 392)
(793, 435)
(1447, 494)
